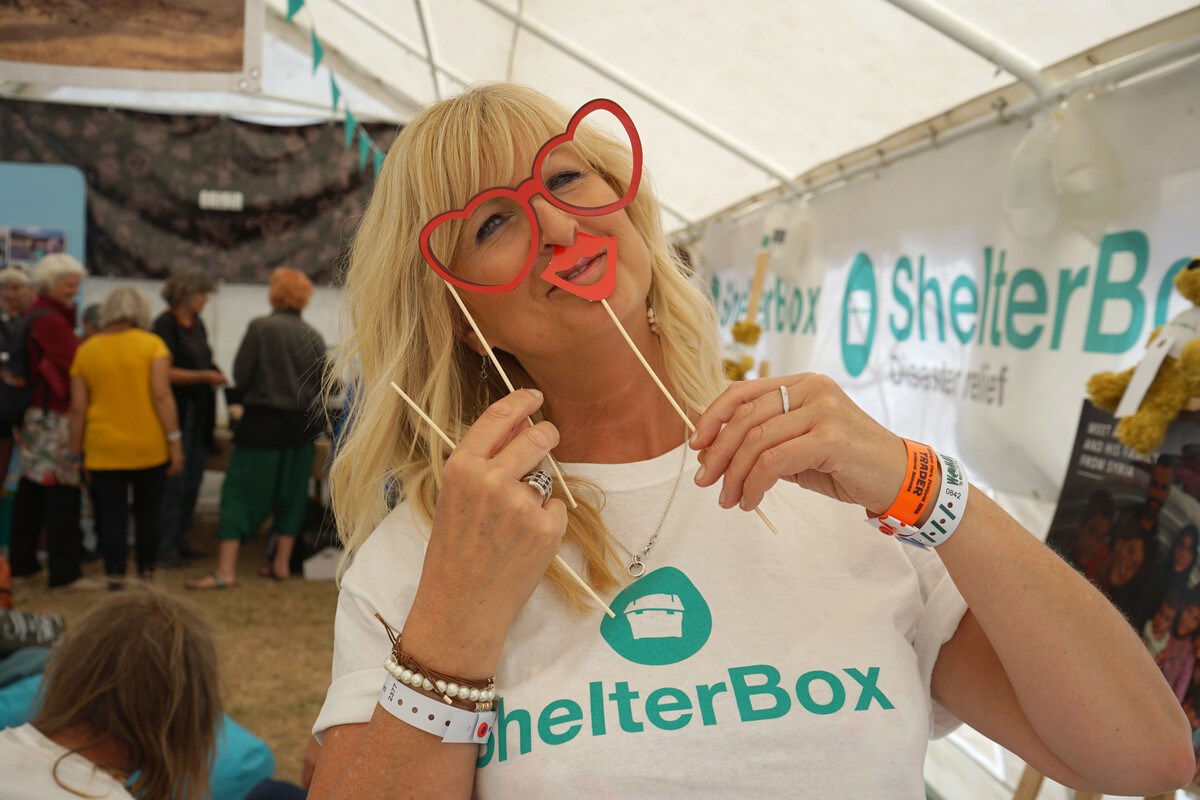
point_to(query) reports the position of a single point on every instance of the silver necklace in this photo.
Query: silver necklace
(637, 566)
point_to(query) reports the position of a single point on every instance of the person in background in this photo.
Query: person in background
(119, 390)
(16, 291)
(194, 379)
(48, 492)
(90, 320)
(279, 369)
(132, 691)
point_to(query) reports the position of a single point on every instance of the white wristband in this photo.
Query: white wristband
(947, 510)
(450, 724)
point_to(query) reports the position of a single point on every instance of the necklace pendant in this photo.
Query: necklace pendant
(636, 567)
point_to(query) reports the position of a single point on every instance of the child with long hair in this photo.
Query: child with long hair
(132, 691)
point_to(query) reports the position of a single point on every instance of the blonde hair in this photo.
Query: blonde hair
(140, 669)
(52, 267)
(290, 288)
(125, 304)
(403, 326)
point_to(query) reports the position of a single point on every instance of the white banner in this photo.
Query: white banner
(914, 293)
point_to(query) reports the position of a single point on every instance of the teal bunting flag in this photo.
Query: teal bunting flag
(318, 52)
(364, 150)
(378, 162)
(348, 127)
(293, 7)
(335, 91)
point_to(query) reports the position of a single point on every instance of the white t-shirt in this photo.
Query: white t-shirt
(27, 760)
(740, 664)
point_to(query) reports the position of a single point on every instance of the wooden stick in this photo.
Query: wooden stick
(574, 576)
(691, 428)
(492, 355)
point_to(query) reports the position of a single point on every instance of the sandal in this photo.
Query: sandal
(210, 581)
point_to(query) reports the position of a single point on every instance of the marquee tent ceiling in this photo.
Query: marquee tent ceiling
(729, 98)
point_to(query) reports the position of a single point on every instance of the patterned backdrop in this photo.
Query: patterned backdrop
(301, 189)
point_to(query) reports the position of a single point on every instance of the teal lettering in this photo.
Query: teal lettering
(548, 719)
(870, 691)
(835, 686)
(596, 698)
(1067, 284)
(1106, 290)
(622, 697)
(814, 294)
(1165, 290)
(902, 332)
(924, 287)
(987, 287)
(781, 300)
(795, 307)
(524, 725)
(704, 697)
(742, 692)
(665, 701)
(1024, 341)
(489, 749)
(1001, 276)
(963, 284)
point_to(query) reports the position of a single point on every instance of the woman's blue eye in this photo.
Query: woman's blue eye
(489, 227)
(564, 178)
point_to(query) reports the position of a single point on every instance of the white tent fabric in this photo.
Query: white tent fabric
(798, 84)
(730, 101)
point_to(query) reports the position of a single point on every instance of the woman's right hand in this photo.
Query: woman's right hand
(492, 539)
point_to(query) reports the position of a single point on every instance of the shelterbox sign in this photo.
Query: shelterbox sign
(945, 326)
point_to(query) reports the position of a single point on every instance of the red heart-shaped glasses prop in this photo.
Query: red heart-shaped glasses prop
(494, 208)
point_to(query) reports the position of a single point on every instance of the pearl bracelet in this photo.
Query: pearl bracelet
(482, 698)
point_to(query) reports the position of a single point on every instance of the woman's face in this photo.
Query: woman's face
(1184, 554)
(1189, 620)
(539, 319)
(1131, 554)
(195, 302)
(14, 297)
(64, 289)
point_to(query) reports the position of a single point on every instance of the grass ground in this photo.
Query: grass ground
(275, 640)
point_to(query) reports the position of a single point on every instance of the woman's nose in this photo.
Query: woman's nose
(557, 226)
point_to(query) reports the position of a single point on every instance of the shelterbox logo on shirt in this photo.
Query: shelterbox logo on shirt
(661, 619)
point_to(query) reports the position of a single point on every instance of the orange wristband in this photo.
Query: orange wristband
(919, 484)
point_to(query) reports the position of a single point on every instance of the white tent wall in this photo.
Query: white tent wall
(942, 209)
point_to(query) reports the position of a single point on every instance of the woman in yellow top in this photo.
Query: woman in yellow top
(124, 426)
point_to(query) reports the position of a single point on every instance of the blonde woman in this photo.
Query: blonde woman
(124, 427)
(133, 688)
(740, 663)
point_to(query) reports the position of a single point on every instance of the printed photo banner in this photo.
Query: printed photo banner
(167, 192)
(178, 45)
(1131, 525)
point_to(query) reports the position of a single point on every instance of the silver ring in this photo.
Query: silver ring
(540, 480)
(787, 404)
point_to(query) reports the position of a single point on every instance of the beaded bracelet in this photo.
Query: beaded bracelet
(473, 695)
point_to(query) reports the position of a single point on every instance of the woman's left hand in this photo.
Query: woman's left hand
(825, 443)
(175, 465)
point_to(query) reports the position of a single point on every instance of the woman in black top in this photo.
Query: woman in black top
(193, 380)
